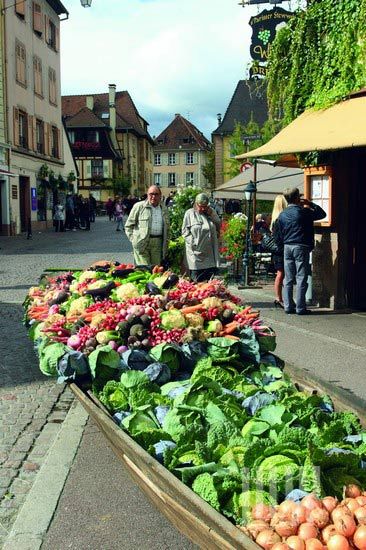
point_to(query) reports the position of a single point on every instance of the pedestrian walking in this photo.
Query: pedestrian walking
(109, 206)
(70, 213)
(200, 229)
(59, 217)
(93, 207)
(295, 232)
(85, 214)
(147, 227)
(118, 214)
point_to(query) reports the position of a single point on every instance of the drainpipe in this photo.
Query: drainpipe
(112, 112)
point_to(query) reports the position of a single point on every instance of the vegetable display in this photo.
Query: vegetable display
(187, 370)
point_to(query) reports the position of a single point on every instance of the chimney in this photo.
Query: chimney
(90, 102)
(112, 106)
(219, 118)
(176, 115)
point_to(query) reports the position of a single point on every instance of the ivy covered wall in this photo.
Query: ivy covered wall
(318, 58)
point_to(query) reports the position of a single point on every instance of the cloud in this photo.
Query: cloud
(172, 56)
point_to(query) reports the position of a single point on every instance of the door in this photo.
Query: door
(24, 203)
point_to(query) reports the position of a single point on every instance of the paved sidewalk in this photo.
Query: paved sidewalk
(32, 407)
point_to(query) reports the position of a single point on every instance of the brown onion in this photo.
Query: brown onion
(300, 513)
(262, 511)
(311, 501)
(286, 527)
(313, 544)
(359, 538)
(280, 546)
(267, 538)
(328, 532)
(352, 490)
(338, 542)
(256, 526)
(351, 504)
(360, 515)
(286, 507)
(361, 500)
(295, 543)
(345, 525)
(340, 511)
(329, 503)
(307, 531)
(319, 517)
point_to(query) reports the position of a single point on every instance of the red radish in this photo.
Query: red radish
(319, 517)
(360, 515)
(307, 531)
(267, 538)
(313, 544)
(295, 543)
(345, 525)
(338, 542)
(359, 538)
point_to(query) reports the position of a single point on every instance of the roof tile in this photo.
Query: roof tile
(181, 133)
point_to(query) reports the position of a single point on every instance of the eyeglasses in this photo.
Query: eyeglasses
(153, 194)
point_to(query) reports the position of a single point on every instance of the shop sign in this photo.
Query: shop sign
(264, 28)
(34, 198)
(86, 145)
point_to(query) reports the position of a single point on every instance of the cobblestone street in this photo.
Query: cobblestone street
(33, 408)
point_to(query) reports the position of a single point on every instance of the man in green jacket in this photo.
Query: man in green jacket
(147, 227)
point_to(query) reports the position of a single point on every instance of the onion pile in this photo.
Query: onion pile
(312, 524)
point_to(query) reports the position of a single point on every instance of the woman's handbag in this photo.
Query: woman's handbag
(269, 244)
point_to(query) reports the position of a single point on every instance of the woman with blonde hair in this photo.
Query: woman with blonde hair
(280, 204)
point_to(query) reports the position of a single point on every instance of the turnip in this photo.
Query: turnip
(112, 344)
(74, 341)
(122, 349)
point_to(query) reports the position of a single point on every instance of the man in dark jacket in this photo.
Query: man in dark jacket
(296, 234)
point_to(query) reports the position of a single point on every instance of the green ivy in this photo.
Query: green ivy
(318, 58)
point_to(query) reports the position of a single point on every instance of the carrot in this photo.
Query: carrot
(231, 336)
(192, 309)
(252, 315)
(229, 326)
(245, 310)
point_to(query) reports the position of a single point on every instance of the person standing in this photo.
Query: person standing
(70, 213)
(93, 207)
(295, 232)
(118, 214)
(59, 217)
(200, 229)
(85, 214)
(169, 200)
(279, 205)
(147, 228)
(109, 206)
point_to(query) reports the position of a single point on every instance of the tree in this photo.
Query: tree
(121, 186)
(238, 141)
(209, 169)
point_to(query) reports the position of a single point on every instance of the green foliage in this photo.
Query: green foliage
(183, 200)
(209, 169)
(121, 186)
(175, 254)
(233, 236)
(318, 58)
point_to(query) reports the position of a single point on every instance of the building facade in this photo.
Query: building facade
(180, 152)
(110, 143)
(34, 123)
(249, 101)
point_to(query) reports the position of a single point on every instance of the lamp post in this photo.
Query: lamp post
(86, 3)
(250, 191)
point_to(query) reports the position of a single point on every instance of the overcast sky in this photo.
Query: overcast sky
(173, 56)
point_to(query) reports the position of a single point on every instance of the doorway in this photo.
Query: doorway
(24, 202)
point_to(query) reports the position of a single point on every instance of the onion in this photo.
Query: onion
(337, 542)
(286, 527)
(329, 503)
(351, 504)
(280, 546)
(286, 507)
(295, 543)
(311, 501)
(359, 538)
(307, 531)
(319, 517)
(360, 515)
(256, 526)
(340, 511)
(345, 525)
(352, 491)
(262, 511)
(361, 500)
(267, 538)
(328, 532)
(313, 544)
(299, 513)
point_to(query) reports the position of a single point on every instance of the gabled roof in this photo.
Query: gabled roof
(57, 6)
(249, 100)
(181, 133)
(127, 115)
(85, 118)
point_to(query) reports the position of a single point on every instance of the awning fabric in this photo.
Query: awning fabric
(342, 126)
(266, 190)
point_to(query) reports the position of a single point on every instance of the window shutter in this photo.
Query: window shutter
(59, 144)
(30, 133)
(88, 168)
(37, 18)
(106, 168)
(46, 138)
(16, 127)
(57, 45)
(20, 7)
(47, 29)
(177, 155)
(195, 158)
(34, 129)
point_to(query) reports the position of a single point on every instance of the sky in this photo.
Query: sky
(173, 56)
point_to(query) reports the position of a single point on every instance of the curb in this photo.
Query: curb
(38, 509)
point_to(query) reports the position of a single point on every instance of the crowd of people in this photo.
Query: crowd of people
(76, 213)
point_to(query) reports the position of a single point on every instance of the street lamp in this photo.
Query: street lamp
(250, 191)
(86, 3)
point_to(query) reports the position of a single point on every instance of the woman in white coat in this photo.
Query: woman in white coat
(201, 227)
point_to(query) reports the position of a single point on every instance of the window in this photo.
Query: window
(105, 115)
(171, 179)
(37, 19)
(189, 158)
(40, 136)
(318, 189)
(157, 179)
(71, 135)
(189, 178)
(171, 159)
(37, 75)
(92, 136)
(52, 86)
(160, 142)
(55, 146)
(97, 168)
(20, 62)
(157, 159)
(51, 34)
(20, 8)
(23, 130)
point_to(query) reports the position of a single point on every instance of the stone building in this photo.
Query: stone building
(180, 152)
(32, 133)
(110, 142)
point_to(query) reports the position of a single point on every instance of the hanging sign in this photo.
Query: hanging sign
(264, 28)
(245, 166)
(34, 198)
